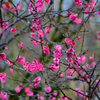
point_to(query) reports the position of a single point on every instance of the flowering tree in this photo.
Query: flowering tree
(50, 62)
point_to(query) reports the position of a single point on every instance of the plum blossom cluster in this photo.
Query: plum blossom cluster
(2, 56)
(18, 88)
(36, 27)
(80, 93)
(36, 65)
(3, 95)
(78, 3)
(36, 82)
(20, 59)
(9, 63)
(69, 41)
(6, 5)
(40, 97)
(15, 9)
(46, 49)
(73, 17)
(38, 7)
(56, 54)
(47, 88)
(27, 90)
(2, 77)
(90, 6)
(5, 25)
(92, 62)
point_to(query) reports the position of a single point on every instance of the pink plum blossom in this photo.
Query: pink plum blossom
(46, 0)
(70, 77)
(77, 21)
(26, 89)
(47, 88)
(3, 81)
(73, 43)
(39, 3)
(5, 25)
(34, 42)
(21, 84)
(9, 63)
(15, 9)
(98, 12)
(40, 33)
(79, 37)
(56, 60)
(91, 57)
(39, 9)
(20, 45)
(7, 5)
(32, 28)
(88, 65)
(71, 60)
(70, 71)
(46, 49)
(26, 65)
(98, 38)
(81, 58)
(40, 67)
(62, 74)
(36, 81)
(70, 50)
(18, 89)
(6, 47)
(36, 26)
(72, 16)
(77, 89)
(86, 4)
(86, 11)
(32, 67)
(68, 41)
(2, 56)
(57, 54)
(91, 5)
(30, 93)
(98, 81)
(32, 35)
(58, 47)
(40, 98)
(3, 95)
(78, 3)
(39, 21)
(13, 29)
(55, 93)
(93, 64)
(2, 77)
(36, 61)
(11, 70)
(21, 59)
(99, 33)
(47, 30)
(53, 66)
(93, 15)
